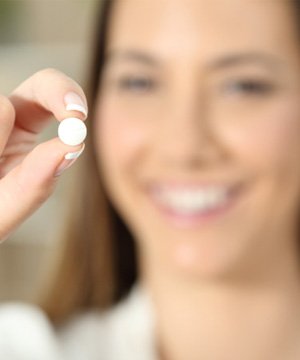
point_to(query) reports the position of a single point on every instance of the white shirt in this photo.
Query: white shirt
(125, 332)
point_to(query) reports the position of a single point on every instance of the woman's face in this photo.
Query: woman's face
(198, 130)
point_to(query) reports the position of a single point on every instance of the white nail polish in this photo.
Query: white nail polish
(76, 107)
(68, 161)
(74, 155)
(75, 102)
(72, 131)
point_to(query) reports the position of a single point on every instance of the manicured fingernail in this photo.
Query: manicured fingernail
(74, 155)
(74, 102)
(68, 160)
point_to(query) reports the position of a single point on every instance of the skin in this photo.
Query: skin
(28, 171)
(231, 283)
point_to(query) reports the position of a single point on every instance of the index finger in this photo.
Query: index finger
(47, 92)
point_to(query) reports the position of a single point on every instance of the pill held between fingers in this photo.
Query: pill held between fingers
(72, 131)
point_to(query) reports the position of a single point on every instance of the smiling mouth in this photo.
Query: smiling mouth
(189, 205)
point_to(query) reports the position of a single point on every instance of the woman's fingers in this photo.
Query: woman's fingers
(28, 173)
(31, 182)
(7, 119)
(47, 92)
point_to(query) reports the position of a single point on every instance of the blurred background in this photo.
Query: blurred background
(36, 34)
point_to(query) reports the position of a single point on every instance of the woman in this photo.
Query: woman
(190, 186)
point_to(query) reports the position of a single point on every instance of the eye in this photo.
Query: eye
(249, 87)
(135, 84)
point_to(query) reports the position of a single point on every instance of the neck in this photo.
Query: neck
(253, 315)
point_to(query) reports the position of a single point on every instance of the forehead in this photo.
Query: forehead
(193, 27)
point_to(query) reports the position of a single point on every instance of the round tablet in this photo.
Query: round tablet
(72, 131)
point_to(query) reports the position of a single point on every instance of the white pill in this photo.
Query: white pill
(72, 131)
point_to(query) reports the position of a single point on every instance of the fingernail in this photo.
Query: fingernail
(68, 160)
(74, 155)
(74, 102)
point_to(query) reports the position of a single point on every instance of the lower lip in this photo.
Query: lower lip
(196, 219)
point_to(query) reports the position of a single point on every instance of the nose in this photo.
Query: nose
(186, 137)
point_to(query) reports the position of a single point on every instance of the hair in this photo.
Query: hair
(97, 264)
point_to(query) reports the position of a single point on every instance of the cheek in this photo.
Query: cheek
(268, 139)
(120, 140)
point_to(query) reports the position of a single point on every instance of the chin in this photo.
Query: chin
(209, 262)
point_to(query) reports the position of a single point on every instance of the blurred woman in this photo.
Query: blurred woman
(183, 238)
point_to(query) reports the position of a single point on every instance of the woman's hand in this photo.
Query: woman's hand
(28, 173)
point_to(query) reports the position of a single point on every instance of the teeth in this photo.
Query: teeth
(189, 201)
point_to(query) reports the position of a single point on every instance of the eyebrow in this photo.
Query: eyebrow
(265, 59)
(260, 58)
(132, 55)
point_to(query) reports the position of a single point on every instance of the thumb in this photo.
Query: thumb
(26, 187)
